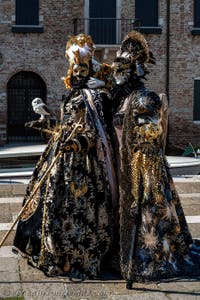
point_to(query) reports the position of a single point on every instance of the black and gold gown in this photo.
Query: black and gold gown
(67, 227)
(155, 242)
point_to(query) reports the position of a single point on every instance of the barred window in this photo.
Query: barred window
(22, 88)
(102, 25)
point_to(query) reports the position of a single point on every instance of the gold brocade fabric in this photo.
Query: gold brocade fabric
(154, 236)
(66, 228)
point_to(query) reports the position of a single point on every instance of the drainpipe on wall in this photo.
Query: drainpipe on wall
(167, 66)
(167, 50)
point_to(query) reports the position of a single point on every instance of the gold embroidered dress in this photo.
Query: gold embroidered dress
(155, 242)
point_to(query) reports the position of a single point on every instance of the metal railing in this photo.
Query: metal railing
(106, 31)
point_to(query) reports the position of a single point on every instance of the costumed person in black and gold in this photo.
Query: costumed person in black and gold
(67, 227)
(155, 242)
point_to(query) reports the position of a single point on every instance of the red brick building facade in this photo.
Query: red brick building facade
(32, 55)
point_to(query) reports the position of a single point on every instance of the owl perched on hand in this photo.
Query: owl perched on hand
(39, 107)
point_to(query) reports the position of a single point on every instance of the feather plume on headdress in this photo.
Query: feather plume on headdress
(81, 43)
(79, 50)
(135, 47)
(75, 50)
(134, 53)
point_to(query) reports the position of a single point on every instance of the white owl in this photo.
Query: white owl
(39, 107)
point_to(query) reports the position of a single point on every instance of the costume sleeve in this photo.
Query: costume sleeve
(83, 140)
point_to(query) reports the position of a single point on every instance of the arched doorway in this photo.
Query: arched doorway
(22, 88)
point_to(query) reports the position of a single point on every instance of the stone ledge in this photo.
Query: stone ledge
(27, 29)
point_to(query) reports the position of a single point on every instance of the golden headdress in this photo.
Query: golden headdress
(79, 50)
(134, 47)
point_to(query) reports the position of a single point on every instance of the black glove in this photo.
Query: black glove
(33, 123)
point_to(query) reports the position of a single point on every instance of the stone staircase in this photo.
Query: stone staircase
(18, 279)
(188, 188)
(11, 197)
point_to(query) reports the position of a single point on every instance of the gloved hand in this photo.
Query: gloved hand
(34, 123)
(94, 83)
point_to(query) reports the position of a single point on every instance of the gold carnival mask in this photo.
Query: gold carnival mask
(80, 71)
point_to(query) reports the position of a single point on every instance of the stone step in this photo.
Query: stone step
(187, 184)
(190, 203)
(4, 227)
(18, 187)
(13, 189)
(9, 207)
(194, 228)
(11, 197)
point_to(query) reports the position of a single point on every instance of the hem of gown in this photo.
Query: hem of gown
(180, 277)
(61, 274)
(188, 271)
(185, 270)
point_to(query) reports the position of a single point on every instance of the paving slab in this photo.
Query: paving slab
(194, 230)
(11, 291)
(9, 240)
(9, 264)
(32, 284)
(12, 188)
(6, 251)
(191, 204)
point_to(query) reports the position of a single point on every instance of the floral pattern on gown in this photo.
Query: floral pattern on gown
(67, 228)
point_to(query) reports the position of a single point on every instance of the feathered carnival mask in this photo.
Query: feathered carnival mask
(134, 54)
(79, 51)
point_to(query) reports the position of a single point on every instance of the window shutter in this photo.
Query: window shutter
(146, 11)
(27, 12)
(196, 13)
(196, 112)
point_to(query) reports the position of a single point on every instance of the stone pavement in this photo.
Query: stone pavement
(17, 279)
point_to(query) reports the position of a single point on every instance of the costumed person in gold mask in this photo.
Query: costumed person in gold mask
(155, 242)
(67, 227)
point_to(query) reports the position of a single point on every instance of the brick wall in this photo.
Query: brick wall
(44, 54)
